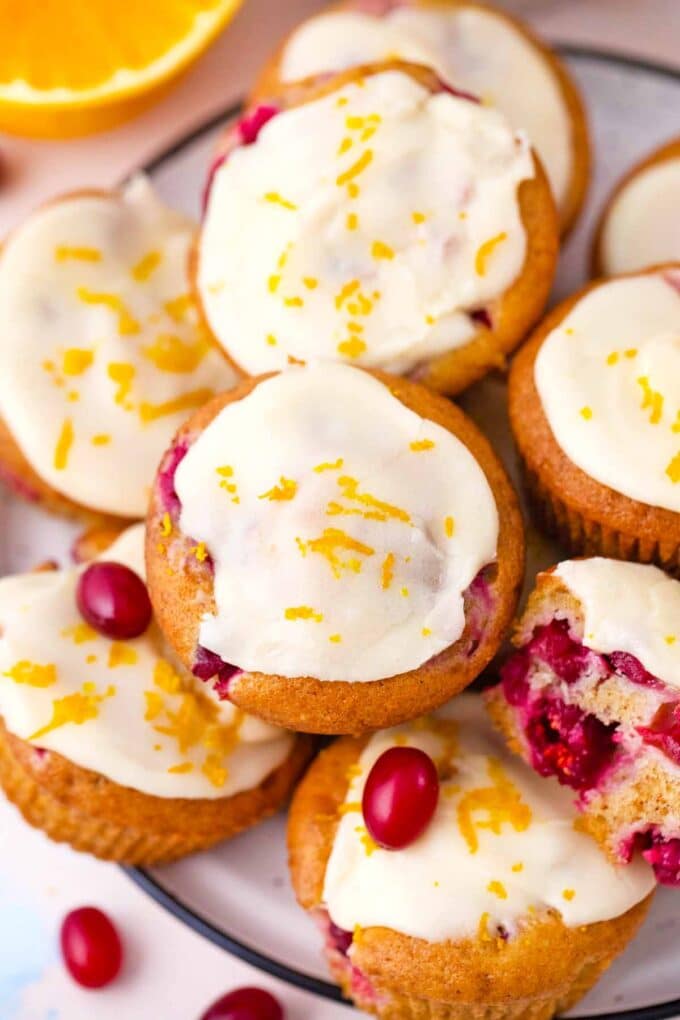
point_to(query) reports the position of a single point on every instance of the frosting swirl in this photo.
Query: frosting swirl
(123, 709)
(363, 226)
(502, 845)
(336, 518)
(104, 340)
(608, 377)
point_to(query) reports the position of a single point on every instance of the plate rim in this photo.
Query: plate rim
(141, 877)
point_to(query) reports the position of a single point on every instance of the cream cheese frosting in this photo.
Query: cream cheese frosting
(628, 607)
(471, 48)
(642, 227)
(608, 377)
(103, 354)
(122, 709)
(364, 226)
(343, 528)
(502, 845)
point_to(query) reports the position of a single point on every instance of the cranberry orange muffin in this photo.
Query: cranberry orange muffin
(594, 405)
(102, 336)
(377, 218)
(105, 742)
(473, 46)
(450, 881)
(592, 696)
(639, 226)
(339, 549)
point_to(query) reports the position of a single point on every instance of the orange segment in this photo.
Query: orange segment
(72, 66)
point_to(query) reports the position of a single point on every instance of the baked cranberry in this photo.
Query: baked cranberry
(91, 947)
(113, 600)
(568, 743)
(664, 731)
(633, 670)
(340, 938)
(245, 1004)
(251, 125)
(400, 797)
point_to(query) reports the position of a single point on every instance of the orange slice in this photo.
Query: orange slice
(68, 67)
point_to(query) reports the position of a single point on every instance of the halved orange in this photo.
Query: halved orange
(68, 67)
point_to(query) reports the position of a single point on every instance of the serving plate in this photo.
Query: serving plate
(238, 894)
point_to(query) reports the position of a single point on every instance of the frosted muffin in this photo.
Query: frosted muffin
(594, 407)
(500, 907)
(472, 46)
(376, 218)
(107, 744)
(592, 696)
(340, 549)
(639, 225)
(103, 337)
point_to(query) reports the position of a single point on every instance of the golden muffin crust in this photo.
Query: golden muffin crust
(181, 591)
(513, 313)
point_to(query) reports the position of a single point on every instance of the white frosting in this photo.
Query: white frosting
(628, 607)
(102, 353)
(144, 723)
(294, 263)
(642, 227)
(462, 877)
(609, 381)
(474, 50)
(337, 519)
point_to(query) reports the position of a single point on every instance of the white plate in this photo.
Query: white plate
(238, 895)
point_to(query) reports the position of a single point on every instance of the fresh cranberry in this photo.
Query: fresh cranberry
(400, 797)
(568, 743)
(340, 938)
(91, 947)
(664, 731)
(245, 1004)
(113, 600)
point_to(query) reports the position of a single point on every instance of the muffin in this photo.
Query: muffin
(342, 550)
(593, 399)
(377, 218)
(475, 47)
(500, 909)
(104, 338)
(638, 227)
(592, 696)
(107, 744)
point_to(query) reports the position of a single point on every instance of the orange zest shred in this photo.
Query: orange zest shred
(33, 674)
(127, 324)
(302, 613)
(186, 402)
(500, 803)
(387, 571)
(146, 266)
(485, 252)
(77, 708)
(285, 490)
(64, 444)
(330, 544)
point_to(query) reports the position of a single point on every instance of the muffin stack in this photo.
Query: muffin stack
(332, 547)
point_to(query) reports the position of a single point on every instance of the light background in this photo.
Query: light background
(171, 973)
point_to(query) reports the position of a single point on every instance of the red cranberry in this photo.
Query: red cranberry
(113, 600)
(245, 1004)
(91, 947)
(400, 797)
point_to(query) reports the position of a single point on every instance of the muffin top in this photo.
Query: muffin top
(628, 607)
(501, 849)
(641, 225)
(368, 225)
(335, 517)
(103, 338)
(469, 47)
(608, 377)
(124, 709)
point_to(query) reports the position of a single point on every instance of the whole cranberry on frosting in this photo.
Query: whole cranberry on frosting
(113, 599)
(400, 797)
